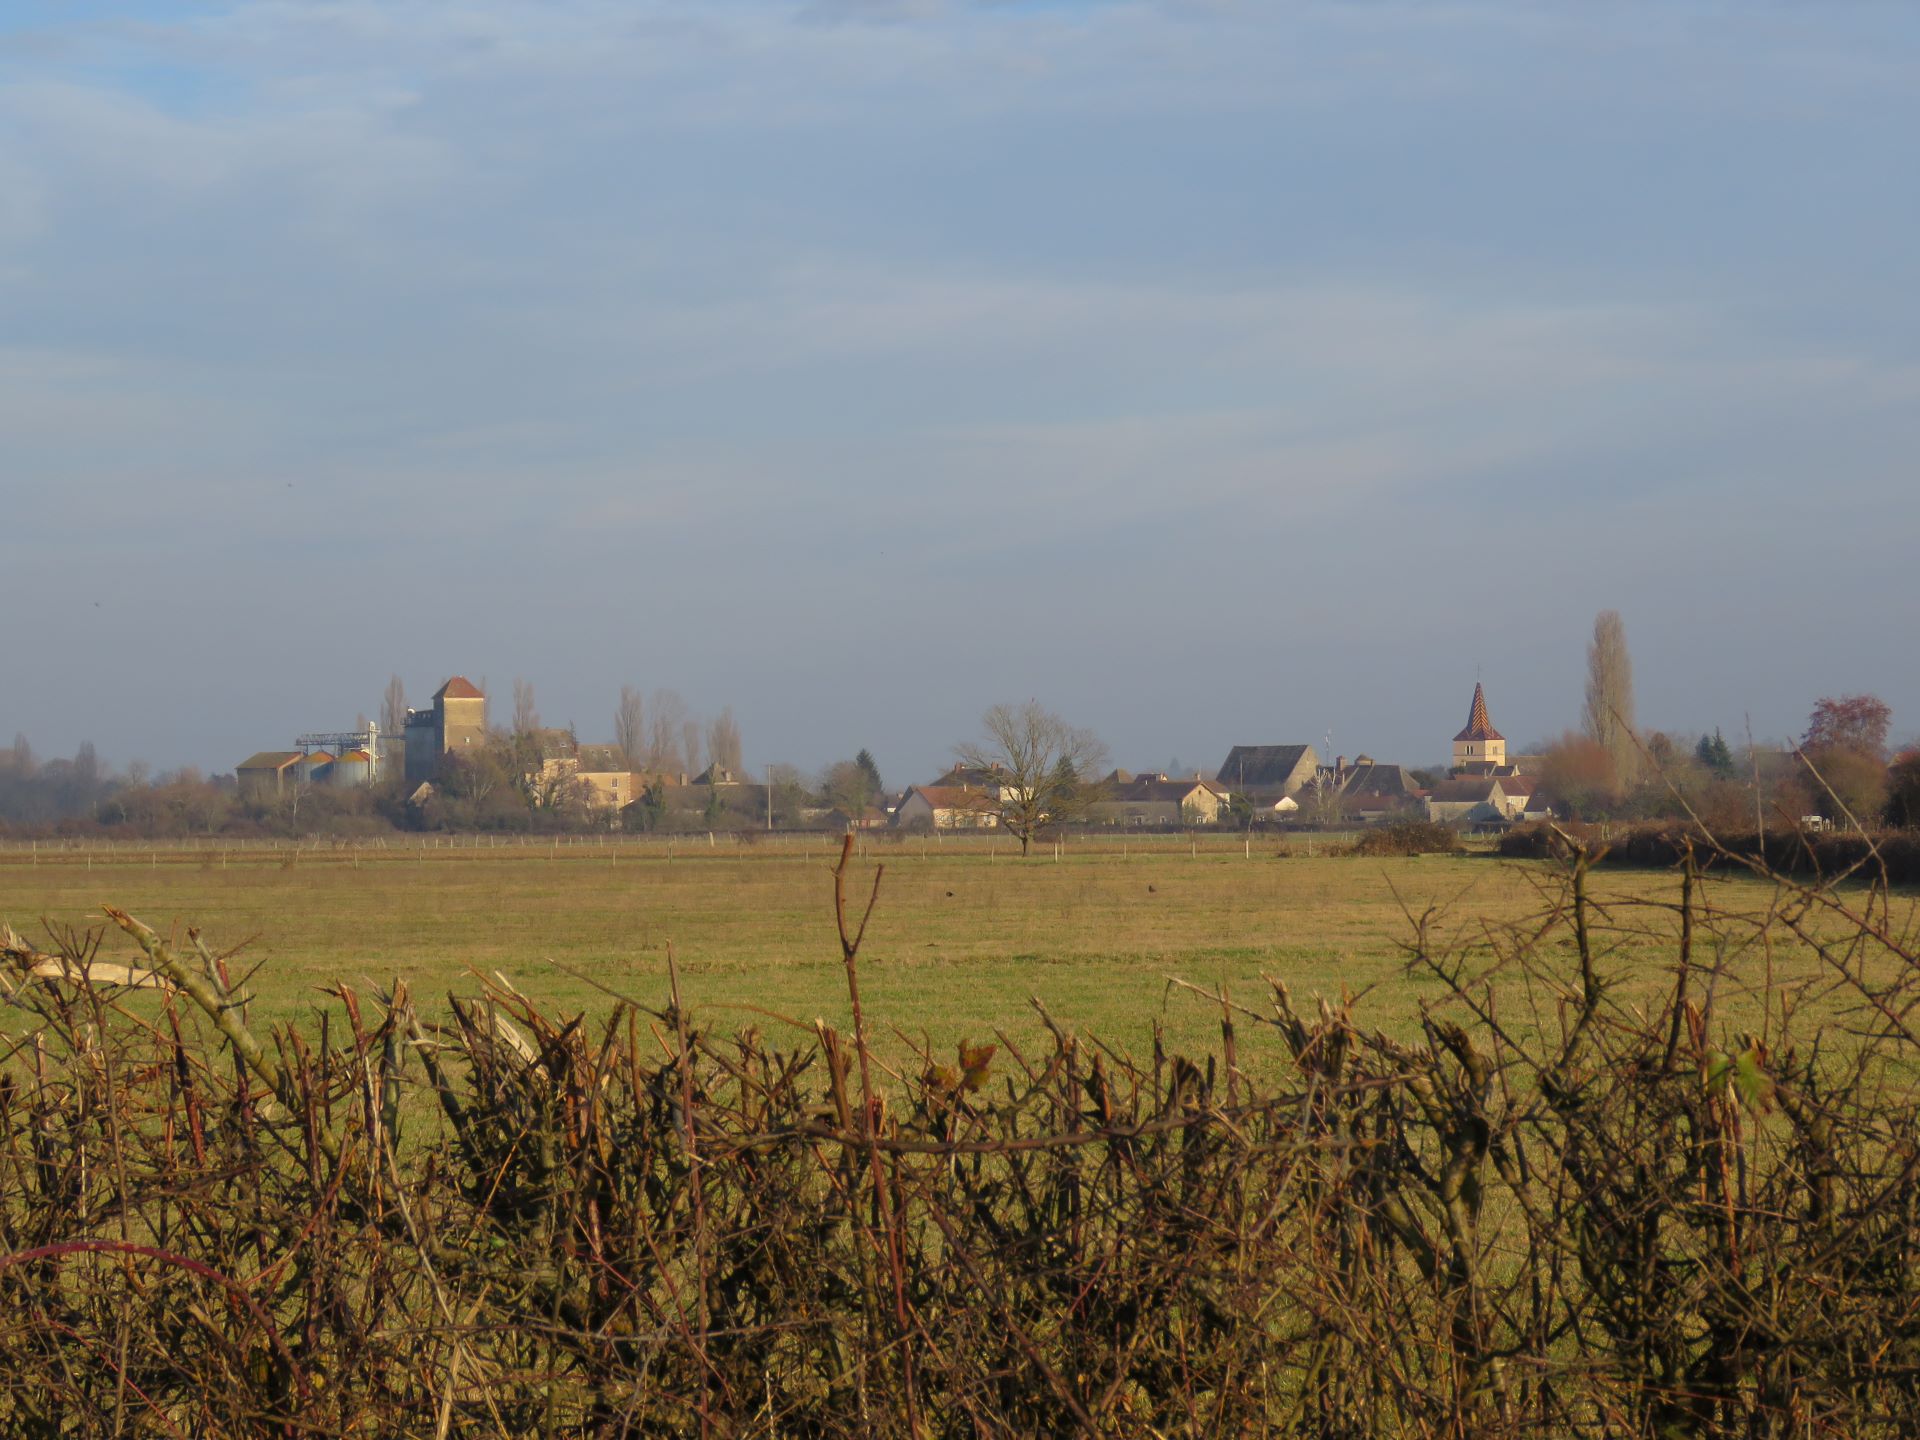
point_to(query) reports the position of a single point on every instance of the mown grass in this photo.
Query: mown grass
(961, 941)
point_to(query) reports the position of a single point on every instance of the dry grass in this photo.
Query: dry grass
(962, 939)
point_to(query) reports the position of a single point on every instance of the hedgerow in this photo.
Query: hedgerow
(1601, 1218)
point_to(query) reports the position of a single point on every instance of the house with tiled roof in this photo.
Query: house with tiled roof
(1372, 789)
(990, 779)
(607, 774)
(1268, 772)
(1157, 800)
(1473, 801)
(946, 807)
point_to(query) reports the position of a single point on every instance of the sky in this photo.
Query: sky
(1213, 371)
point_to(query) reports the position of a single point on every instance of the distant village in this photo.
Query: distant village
(442, 750)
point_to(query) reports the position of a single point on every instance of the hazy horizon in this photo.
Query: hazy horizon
(1214, 371)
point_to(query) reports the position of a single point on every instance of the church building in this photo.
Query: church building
(1480, 749)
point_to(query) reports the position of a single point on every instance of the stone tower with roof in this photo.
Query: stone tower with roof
(1479, 749)
(457, 721)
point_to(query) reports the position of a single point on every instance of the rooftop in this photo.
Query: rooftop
(951, 797)
(1258, 765)
(1479, 727)
(271, 760)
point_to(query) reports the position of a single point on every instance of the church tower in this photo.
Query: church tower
(1479, 749)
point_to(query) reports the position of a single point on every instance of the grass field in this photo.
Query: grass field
(963, 934)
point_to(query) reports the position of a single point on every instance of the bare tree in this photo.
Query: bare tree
(787, 795)
(393, 708)
(723, 741)
(629, 726)
(1323, 800)
(1042, 768)
(848, 787)
(668, 713)
(526, 719)
(690, 743)
(1608, 715)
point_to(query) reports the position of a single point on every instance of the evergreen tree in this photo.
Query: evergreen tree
(865, 761)
(1713, 752)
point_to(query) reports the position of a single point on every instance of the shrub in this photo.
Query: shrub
(1625, 1218)
(1892, 855)
(1408, 837)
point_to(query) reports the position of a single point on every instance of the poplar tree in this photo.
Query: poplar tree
(1608, 715)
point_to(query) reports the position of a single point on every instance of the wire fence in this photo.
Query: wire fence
(614, 848)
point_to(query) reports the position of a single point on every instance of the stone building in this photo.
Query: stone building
(457, 721)
(1480, 749)
(1157, 800)
(1268, 773)
(946, 807)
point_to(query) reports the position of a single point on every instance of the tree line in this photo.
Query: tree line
(1842, 769)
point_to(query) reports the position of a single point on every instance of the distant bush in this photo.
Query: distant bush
(1408, 837)
(1785, 851)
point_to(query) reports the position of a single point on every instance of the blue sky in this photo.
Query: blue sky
(1215, 371)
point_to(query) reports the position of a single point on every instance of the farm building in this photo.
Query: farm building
(606, 774)
(1474, 801)
(1155, 800)
(270, 771)
(351, 768)
(1266, 773)
(1372, 791)
(456, 721)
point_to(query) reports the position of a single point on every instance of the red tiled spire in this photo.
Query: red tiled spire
(1479, 727)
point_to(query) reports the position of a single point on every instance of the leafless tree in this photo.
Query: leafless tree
(526, 718)
(723, 741)
(788, 796)
(1324, 801)
(848, 787)
(667, 714)
(630, 727)
(1608, 715)
(1045, 768)
(690, 743)
(393, 707)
